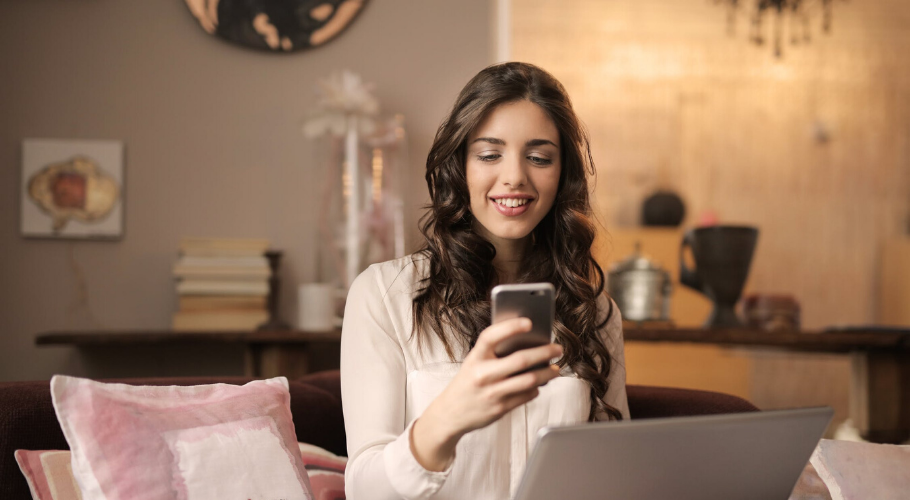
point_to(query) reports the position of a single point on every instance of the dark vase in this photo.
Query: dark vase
(723, 255)
(663, 208)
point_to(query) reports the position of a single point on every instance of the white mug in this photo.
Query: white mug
(316, 307)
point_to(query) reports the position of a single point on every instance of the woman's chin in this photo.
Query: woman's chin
(508, 232)
(510, 235)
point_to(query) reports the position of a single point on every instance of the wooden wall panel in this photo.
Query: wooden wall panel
(894, 295)
(813, 148)
(672, 101)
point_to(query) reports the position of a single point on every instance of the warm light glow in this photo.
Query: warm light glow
(377, 175)
(346, 188)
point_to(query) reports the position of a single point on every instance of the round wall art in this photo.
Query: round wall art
(276, 25)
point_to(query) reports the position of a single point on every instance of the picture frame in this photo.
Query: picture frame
(72, 189)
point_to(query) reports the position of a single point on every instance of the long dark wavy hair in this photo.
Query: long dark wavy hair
(455, 295)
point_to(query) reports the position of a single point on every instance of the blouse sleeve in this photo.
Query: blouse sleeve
(612, 337)
(373, 383)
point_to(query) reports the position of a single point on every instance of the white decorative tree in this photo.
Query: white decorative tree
(361, 220)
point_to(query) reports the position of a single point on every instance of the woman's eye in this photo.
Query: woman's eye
(488, 158)
(540, 160)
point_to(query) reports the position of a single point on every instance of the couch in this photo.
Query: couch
(27, 418)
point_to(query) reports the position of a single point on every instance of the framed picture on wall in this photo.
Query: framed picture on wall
(72, 189)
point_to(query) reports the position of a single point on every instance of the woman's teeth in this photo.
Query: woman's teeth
(512, 202)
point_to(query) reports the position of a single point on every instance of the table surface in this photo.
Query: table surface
(833, 341)
(812, 341)
(133, 337)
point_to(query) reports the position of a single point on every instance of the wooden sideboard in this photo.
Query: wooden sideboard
(879, 395)
(266, 354)
(880, 371)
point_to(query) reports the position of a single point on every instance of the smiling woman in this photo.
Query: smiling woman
(507, 175)
(513, 169)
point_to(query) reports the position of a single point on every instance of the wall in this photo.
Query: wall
(813, 148)
(673, 101)
(213, 146)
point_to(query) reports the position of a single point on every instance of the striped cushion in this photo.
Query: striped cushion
(50, 475)
(326, 471)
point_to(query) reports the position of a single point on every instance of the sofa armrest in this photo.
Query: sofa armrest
(657, 402)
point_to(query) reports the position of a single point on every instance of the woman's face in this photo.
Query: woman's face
(513, 170)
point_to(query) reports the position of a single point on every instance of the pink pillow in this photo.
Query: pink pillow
(208, 441)
(326, 471)
(50, 476)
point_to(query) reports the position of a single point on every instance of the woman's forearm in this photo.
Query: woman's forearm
(432, 444)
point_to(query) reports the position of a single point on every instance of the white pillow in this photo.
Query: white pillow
(50, 475)
(181, 442)
(863, 471)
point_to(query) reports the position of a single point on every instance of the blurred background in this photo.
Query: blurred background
(770, 121)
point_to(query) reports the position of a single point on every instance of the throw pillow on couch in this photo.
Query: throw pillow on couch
(50, 476)
(208, 441)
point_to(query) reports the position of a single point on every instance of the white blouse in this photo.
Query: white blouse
(387, 382)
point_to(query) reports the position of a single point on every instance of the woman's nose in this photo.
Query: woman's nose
(513, 172)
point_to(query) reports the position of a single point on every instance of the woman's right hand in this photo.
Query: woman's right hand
(482, 391)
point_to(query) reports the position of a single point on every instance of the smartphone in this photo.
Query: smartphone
(535, 301)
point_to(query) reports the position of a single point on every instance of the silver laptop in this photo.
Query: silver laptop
(743, 456)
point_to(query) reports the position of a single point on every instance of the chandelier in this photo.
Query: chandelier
(790, 19)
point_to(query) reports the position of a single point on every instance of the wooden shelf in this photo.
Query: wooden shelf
(137, 337)
(831, 342)
(880, 382)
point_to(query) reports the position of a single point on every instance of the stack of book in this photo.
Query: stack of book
(222, 284)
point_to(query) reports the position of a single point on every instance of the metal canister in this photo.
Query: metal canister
(641, 288)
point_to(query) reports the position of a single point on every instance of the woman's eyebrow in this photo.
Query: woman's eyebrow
(541, 142)
(491, 140)
(531, 143)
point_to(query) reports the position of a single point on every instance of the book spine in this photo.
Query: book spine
(255, 262)
(196, 303)
(218, 321)
(220, 273)
(199, 287)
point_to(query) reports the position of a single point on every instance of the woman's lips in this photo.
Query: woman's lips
(512, 211)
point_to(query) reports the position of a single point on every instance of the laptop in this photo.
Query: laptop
(743, 456)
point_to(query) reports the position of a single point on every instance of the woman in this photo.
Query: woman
(430, 411)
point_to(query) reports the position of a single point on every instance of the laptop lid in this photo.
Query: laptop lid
(757, 455)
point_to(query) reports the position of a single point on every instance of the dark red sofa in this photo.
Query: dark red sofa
(27, 418)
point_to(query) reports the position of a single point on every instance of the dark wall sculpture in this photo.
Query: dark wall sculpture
(276, 25)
